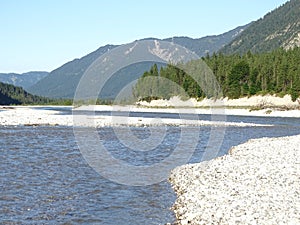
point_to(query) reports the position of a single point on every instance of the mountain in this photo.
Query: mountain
(279, 28)
(24, 80)
(208, 44)
(12, 95)
(62, 82)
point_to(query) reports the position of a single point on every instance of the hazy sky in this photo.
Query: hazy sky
(44, 34)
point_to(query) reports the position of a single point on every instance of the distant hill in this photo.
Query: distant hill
(62, 82)
(12, 95)
(24, 80)
(279, 28)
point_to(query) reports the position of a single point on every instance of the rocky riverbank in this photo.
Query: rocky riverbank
(85, 117)
(256, 183)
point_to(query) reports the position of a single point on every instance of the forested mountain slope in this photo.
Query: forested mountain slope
(276, 72)
(279, 28)
(12, 95)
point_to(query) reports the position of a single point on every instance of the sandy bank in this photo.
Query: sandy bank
(254, 101)
(257, 183)
(51, 115)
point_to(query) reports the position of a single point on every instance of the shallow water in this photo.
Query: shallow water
(44, 179)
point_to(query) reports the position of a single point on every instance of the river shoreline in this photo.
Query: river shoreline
(256, 183)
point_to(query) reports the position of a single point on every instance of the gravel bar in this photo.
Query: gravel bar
(258, 182)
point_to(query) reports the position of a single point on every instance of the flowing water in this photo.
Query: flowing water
(44, 179)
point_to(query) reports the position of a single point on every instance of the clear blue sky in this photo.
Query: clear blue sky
(44, 34)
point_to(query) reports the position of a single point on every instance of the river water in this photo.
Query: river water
(44, 178)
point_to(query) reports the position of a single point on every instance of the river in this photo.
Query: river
(44, 178)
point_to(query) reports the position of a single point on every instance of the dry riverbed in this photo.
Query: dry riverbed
(35, 116)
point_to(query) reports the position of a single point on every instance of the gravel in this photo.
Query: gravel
(256, 183)
(32, 116)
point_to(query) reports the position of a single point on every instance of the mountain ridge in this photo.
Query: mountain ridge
(62, 82)
(207, 44)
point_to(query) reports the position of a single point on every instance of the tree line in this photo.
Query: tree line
(276, 72)
(12, 95)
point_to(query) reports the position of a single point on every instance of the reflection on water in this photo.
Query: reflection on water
(45, 180)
